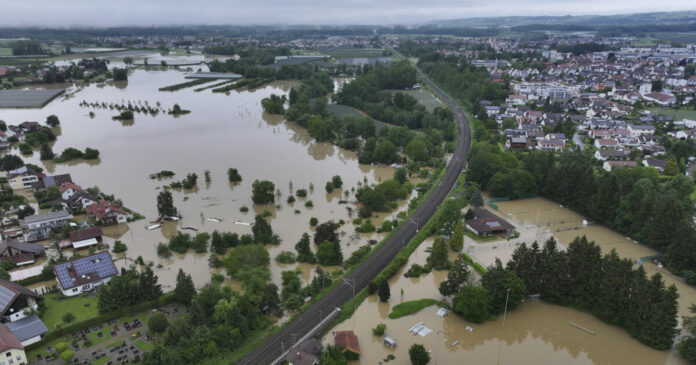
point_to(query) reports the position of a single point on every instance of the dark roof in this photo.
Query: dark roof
(34, 248)
(8, 340)
(85, 234)
(348, 341)
(85, 270)
(61, 214)
(486, 221)
(9, 292)
(311, 346)
(27, 327)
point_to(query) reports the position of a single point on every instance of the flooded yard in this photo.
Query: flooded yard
(223, 130)
(535, 333)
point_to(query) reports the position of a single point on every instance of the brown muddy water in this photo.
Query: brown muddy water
(535, 333)
(222, 131)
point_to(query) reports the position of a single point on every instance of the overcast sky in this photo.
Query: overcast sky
(173, 12)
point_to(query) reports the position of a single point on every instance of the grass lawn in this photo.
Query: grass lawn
(5, 52)
(473, 236)
(83, 307)
(101, 361)
(112, 345)
(106, 331)
(677, 114)
(413, 306)
(143, 346)
(423, 97)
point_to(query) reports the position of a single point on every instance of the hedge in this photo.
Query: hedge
(67, 330)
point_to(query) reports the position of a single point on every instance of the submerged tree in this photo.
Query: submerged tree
(165, 204)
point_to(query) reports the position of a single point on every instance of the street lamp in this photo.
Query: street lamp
(506, 304)
(414, 222)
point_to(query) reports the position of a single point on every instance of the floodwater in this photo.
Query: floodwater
(222, 131)
(535, 333)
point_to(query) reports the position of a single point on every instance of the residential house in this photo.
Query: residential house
(40, 226)
(658, 164)
(307, 353)
(516, 143)
(348, 342)
(108, 212)
(606, 143)
(553, 145)
(606, 155)
(21, 253)
(68, 189)
(599, 134)
(84, 274)
(660, 98)
(641, 129)
(48, 181)
(81, 200)
(610, 165)
(16, 301)
(28, 330)
(23, 178)
(486, 223)
(86, 237)
(11, 350)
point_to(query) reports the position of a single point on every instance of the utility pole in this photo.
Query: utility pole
(347, 282)
(437, 349)
(506, 304)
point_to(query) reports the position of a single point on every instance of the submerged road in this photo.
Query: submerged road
(272, 351)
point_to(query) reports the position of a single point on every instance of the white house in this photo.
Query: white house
(84, 274)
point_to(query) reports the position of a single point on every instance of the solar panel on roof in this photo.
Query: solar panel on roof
(6, 296)
(493, 224)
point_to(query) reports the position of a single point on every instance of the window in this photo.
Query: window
(19, 358)
(10, 361)
(8, 354)
(74, 290)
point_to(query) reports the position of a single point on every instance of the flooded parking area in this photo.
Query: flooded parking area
(535, 333)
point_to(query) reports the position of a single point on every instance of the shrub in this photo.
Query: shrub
(234, 175)
(308, 204)
(337, 182)
(291, 199)
(329, 187)
(313, 221)
(25, 149)
(286, 257)
(301, 193)
(163, 250)
(67, 355)
(68, 317)
(119, 247)
(61, 346)
(379, 330)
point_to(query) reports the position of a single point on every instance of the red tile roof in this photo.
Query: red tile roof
(104, 207)
(348, 341)
(67, 185)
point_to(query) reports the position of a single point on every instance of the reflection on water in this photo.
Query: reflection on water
(535, 333)
(222, 131)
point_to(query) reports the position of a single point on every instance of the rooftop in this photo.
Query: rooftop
(27, 98)
(8, 340)
(61, 214)
(85, 270)
(27, 327)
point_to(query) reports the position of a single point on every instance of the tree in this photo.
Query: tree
(456, 241)
(184, 290)
(165, 204)
(326, 232)
(329, 253)
(263, 192)
(120, 74)
(418, 354)
(304, 252)
(234, 175)
(473, 303)
(476, 200)
(497, 280)
(337, 182)
(383, 291)
(119, 247)
(263, 233)
(46, 152)
(379, 330)
(438, 258)
(456, 278)
(67, 355)
(671, 167)
(52, 120)
(329, 187)
(10, 162)
(332, 355)
(158, 322)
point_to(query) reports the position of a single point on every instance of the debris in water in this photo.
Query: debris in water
(217, 220)
(154, 226)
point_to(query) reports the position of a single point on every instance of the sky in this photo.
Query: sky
(104, 13)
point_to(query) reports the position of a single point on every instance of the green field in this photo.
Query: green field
(344, 110)
(83, 307)
(423, 97)
(646, 42)
(4, 52)
(411, 307)
(677, 114)
(143, 346)
(357, 52)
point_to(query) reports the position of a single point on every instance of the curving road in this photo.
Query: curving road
(309, 322)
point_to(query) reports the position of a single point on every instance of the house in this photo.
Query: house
(21, 253)
(28, 330)
(15, 299)
(86, 237)
(11, 350)
(84, 274)
(108, 212)
(348, 342)
(516, 143)
(81, 200)
(68, 189)
(40, 226)
(662, 99)
(641, 129)
(599, 134)
(606, 143)
(23, 178)
(605, 155)
(553, 145)
(307, 353)
(658, 164)
(486, 223)
(48, 181)
(610, 165)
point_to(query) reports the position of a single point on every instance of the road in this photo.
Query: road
(306, 323)
(578, 141)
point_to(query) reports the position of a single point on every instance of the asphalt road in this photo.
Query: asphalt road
(272, 349)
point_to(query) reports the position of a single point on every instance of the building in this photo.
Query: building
(14, 300)
(28, 330)
(108, 212)
(48, 181)
(348, 342)
(658, 164)
(86, 237)
(68, 189)
(606, 143)
(552, 145)
(307, 353)
(84, 274)
(21, 253)
(11, 350)
(40, 226)
(486, 223)
(611, 165)
(23, 178)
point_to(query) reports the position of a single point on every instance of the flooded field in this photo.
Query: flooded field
(222, 131)
(535, 333)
